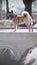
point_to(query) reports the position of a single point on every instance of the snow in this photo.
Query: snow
(31, 56)
(35, 25)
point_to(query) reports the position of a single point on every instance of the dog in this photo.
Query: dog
(24, 18)
(29, 57)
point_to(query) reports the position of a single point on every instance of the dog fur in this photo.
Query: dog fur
(24, 18)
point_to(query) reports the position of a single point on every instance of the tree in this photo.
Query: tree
(7, 7)
(28, 6)
(0, 8)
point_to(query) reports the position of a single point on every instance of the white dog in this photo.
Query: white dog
(29, 57)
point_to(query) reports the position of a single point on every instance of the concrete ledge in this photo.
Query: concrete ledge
(18, 42)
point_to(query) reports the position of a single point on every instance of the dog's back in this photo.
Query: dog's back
(18, 19)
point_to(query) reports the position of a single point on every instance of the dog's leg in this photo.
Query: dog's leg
(32, 29)
(28, 26)
(15, 28)
(29, 29)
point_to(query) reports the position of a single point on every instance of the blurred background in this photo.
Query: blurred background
(17, 6)
(8, 7)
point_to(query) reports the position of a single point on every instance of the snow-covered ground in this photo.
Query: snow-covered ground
(17, 30)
